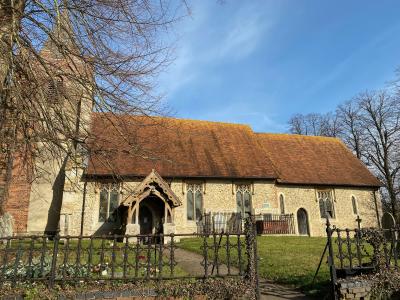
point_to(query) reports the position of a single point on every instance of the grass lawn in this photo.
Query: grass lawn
(289, 260)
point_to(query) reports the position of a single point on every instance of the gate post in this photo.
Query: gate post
(252, 255)
(331, 262)
(52, 275)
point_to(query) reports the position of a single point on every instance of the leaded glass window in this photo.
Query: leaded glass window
(354, 204)
(282, 204)
(326, 206)
(243, 199)
(194, 201)
(109, 202)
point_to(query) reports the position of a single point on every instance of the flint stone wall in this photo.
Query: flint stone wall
(218, 196)
(354, 289)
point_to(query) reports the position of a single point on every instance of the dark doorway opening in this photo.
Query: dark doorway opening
(151, 218)
(302, 222)
(145, 220)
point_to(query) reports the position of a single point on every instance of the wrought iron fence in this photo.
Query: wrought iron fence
(360, 251)
(233, 222)
(219, 222)
(64, 259)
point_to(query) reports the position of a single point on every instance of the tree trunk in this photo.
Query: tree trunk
(10, 16)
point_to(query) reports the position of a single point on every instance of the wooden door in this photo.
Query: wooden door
(302, 222)
(145, 220)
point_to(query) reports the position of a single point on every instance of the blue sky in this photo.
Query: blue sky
(259, 62)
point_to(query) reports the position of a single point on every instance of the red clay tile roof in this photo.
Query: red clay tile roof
(129, 145)
(175, 148)
(315, 160)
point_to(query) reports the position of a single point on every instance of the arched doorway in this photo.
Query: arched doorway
(145, 220)
(302, 222)
(150, 207)
(151, 215)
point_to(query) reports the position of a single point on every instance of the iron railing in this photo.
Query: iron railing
(360, 251)
(220, 222)
(65, 259)
(217, 222)
(275, 224)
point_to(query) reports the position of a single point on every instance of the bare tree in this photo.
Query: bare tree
(369, 124)
(315, 124)
(297, 125)
(352, 130)
(61, 59)
(380, 119)
(396, 83)
(330, 125)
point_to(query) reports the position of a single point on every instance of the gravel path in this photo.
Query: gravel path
(191, 263)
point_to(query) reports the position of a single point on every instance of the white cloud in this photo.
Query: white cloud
(243, 35)
(242, 113)
(235, 36)
(355, 57)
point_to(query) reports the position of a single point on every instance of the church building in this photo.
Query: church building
(163, 175)
(143, 175)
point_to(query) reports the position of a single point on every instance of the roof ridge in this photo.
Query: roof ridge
(178, 119)
(322, 137)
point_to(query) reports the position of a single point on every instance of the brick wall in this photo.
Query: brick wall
(17, 202)
(3, 176)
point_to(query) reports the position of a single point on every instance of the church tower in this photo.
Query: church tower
(66, 86)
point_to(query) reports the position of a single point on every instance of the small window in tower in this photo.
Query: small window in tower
(55, 90)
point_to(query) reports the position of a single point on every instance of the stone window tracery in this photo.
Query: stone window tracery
(243, 199)
(109, 202)
(326, 206)
(194, 201)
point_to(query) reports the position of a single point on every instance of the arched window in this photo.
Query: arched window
(329, 208)
(194, 202)
(325, 201)
(109, 202)
(243, 199)
(354, 204)
(282, 204)
(322, 208)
